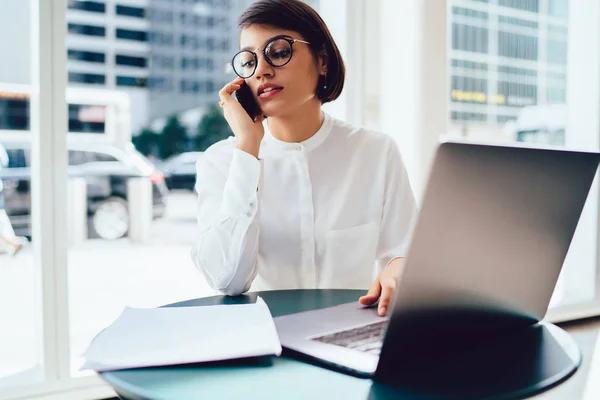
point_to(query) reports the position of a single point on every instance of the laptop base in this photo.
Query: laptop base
(510, 365)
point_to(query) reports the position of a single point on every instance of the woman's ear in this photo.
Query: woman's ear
(323, 61)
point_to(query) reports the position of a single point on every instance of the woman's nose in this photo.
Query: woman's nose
(263, 68)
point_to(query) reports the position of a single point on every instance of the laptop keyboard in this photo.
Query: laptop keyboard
(367, 338)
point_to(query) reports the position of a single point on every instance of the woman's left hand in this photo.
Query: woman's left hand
(383, 287)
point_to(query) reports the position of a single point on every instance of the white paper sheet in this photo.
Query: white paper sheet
(180, 335)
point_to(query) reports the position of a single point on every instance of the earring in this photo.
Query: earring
(325, 81)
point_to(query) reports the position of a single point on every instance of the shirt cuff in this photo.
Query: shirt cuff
(392, 259)
(243, 181)
(382, 263)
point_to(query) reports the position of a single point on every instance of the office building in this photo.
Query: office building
(504, 55)
(191, 43)
(108, 48)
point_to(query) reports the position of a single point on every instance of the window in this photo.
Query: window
(90, 6)
(210, 86)
(189, 41)
(160, 84)
(503, 119)
(225, 45)
(87, 118)
(130, 11)
(130, 34)
(469, 90)
(14, 112)
(469, 38)
(163, 61)
(14, 115)
(518, 94)
(469, 64)
(193, 86)
(131, 61)
(467, 12)
(131, 81)
(161, 38)
(512, 21)
(515, 45)
(87, 56)
(194, 63)
(466, 116)
(210, 43)
(526, 5)
(517, 71)
(87, 30)
(91, 79)
(18, 158)
(160, 15)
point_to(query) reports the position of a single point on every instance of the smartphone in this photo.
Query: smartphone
(246, 98)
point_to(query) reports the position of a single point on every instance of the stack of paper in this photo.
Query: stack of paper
(180, 335)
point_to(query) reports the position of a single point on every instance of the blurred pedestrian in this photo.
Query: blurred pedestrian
(8, 239)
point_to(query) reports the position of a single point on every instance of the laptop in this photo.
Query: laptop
(490, 241)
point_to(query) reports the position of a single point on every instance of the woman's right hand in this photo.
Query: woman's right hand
(248, 133)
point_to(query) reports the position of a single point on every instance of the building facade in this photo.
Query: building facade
(108, 47)
(504, 55)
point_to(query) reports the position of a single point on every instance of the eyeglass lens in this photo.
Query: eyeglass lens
(277, 53)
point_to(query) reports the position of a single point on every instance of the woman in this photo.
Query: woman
(303, 200)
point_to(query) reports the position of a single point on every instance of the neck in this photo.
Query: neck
(299, 126)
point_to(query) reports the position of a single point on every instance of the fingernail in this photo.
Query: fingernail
(382, 310)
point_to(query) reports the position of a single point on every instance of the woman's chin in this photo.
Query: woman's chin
(274, 110)
(270, 111)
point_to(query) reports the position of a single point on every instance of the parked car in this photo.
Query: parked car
(180, 170)
(105, 169)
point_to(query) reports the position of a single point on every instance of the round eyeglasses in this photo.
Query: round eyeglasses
(278, 52)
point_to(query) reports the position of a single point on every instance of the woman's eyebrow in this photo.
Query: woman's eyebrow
(252, 48)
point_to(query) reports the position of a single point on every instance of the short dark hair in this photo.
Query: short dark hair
(297, 16)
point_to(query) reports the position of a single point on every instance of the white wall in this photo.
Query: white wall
(412, 70)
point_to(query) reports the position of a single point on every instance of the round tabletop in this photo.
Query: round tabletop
(275, 377)
(539, 357)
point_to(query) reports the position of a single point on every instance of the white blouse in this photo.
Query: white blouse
(330, 212)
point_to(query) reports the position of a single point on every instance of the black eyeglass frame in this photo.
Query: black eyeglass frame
(264, 52)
